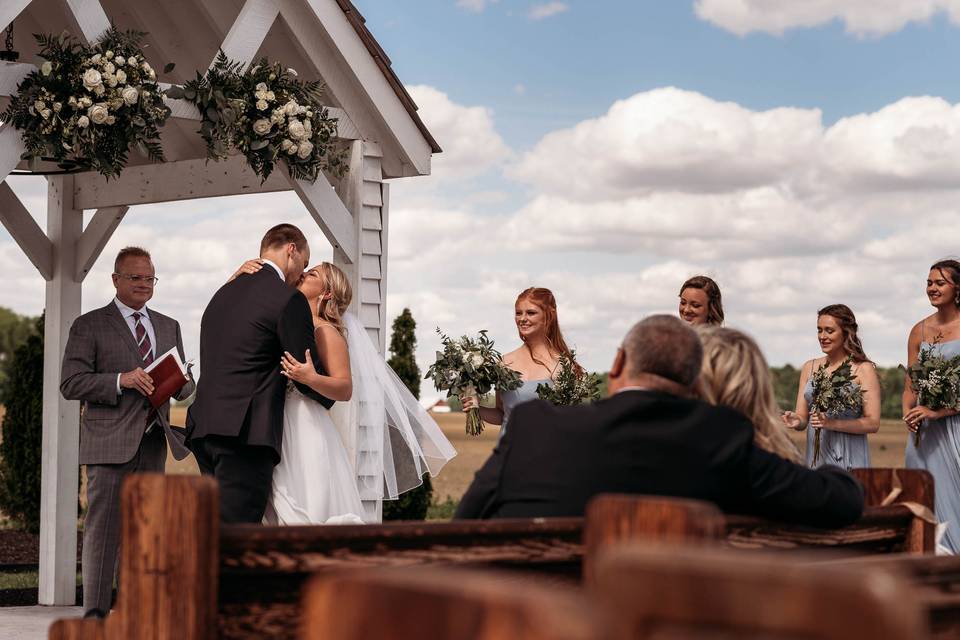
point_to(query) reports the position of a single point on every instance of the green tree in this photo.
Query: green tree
(21, 432)
(14, 330)
(413, 504)
(786, 379)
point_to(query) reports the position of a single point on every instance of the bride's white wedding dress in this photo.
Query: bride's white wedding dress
(373, 448)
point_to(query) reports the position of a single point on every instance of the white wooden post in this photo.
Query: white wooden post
(61, 418)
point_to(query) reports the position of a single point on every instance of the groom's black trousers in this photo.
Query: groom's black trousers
(244, 473)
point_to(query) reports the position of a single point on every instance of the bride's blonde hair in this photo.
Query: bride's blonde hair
(341, 293)
(735, 374)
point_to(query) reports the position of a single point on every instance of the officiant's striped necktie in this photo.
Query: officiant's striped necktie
(146, 352)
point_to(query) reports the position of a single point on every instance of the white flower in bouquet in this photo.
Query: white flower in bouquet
(120, 60)
(286, 144)
(92, 79)
(290, 108)
(108, 55)
(292, 72)
(39, 105)
(98, 113)
(262, 127)
(130, 95)
(111, 80)
(121, 76)
(292, 149)
(476, 359)
(132, 61)
(95, 58)
(261, 86)
(271, 96)
(57, 107)
(305, 149)
(277, 117)
(85, 102)
(83, 122)
(262, 105)
(296, 130)
(109, 68)
(46, 68)
(111, 120)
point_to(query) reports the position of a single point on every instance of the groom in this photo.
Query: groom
(235, 425)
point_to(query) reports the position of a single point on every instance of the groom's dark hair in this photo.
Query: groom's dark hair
(281, 235)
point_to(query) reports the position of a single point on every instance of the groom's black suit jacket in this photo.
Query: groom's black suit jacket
(245, 329)
(552, 460)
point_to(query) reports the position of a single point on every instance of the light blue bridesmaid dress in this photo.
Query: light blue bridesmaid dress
(525, 393)
(939, 453)
(844, 450)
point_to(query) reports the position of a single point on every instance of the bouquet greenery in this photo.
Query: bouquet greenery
(471, 367)
(935, 380)
(86, 106)
(833, 393)
(267, 114)
(571, 386)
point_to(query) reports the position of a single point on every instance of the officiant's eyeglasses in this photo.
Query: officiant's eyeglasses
(151, 280)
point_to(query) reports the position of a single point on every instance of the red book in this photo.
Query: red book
(169, 375)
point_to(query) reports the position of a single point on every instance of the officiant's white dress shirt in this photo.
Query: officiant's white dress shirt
(127, 313)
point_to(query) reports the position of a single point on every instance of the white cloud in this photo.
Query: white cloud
(475, 6)
(860, 17)
(547, 10)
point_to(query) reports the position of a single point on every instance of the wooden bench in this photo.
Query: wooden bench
(178, 565)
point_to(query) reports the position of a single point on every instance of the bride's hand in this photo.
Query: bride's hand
(250, 266)
(298, 371)
(469, 403)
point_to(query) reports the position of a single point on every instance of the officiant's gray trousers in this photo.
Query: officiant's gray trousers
(101, 526)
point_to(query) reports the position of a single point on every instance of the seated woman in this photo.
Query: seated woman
(735, 374)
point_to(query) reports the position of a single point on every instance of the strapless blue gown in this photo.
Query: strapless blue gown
(844, 450)
(939, 453)
(525, 393)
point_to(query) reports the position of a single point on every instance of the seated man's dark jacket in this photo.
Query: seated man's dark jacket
(552, 460)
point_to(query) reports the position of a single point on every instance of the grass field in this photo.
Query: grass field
(886, 450)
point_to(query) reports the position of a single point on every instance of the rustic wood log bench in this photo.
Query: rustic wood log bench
(184, 577)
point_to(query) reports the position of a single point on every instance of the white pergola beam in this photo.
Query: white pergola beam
(95, 238)
(171, 181)
(11, 148)
(59, 481)
(249, 30)
(91, 17)
(25, 230)
(11, 75)
(328, 211)
(10, 9)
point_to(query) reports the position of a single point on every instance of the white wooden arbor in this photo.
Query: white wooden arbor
(319, 38)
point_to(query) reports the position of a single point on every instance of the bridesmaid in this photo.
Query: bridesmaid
(843, 437)
(536, 361)
(939, 449)
(700, 302)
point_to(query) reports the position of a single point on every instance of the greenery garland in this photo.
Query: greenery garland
(266, 114)
(88, 105)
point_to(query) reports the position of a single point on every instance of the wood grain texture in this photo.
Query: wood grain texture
(680, 592)
(437, 604)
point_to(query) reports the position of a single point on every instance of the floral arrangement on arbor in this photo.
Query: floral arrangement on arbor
(88, 105)
(266, 114)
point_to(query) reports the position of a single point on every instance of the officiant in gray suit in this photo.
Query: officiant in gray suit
(120, 433)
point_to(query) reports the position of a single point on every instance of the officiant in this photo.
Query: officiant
(121, 432)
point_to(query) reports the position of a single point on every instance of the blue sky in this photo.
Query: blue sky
(802, 153)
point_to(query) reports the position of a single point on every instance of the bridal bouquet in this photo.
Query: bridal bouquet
(833, 394)
(571, 385)
(935, 380)
(471, 367)
(86, 106)
(267, 114)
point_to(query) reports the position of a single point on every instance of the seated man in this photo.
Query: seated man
(650, 437)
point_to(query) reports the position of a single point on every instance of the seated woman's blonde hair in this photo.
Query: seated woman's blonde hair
(735, 374)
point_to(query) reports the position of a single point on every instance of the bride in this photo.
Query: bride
(374, 444)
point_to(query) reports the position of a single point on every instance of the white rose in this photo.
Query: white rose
(262, 105)
(306, 148)
(99, 90)
(130, 95)
(292, 149)
(109, 68)
(291, 108)
(39, 105)
(262, 127)
(72, 101)
(46, 68)
(83, 122)
(260, 95)
(121, 76)
(261, 86)
(152, 74)
(108, 54)
(273, 76)
(277, 116)
(92, 79)
(121, 60)
(309, 113)
(476, 359)
(98, 113)
(271, 96)
(57, 106)
(111, 120)
(296, 130)
(46, 114)
(111, 79)
(85, 101)
(286, 144)
(132, 61)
